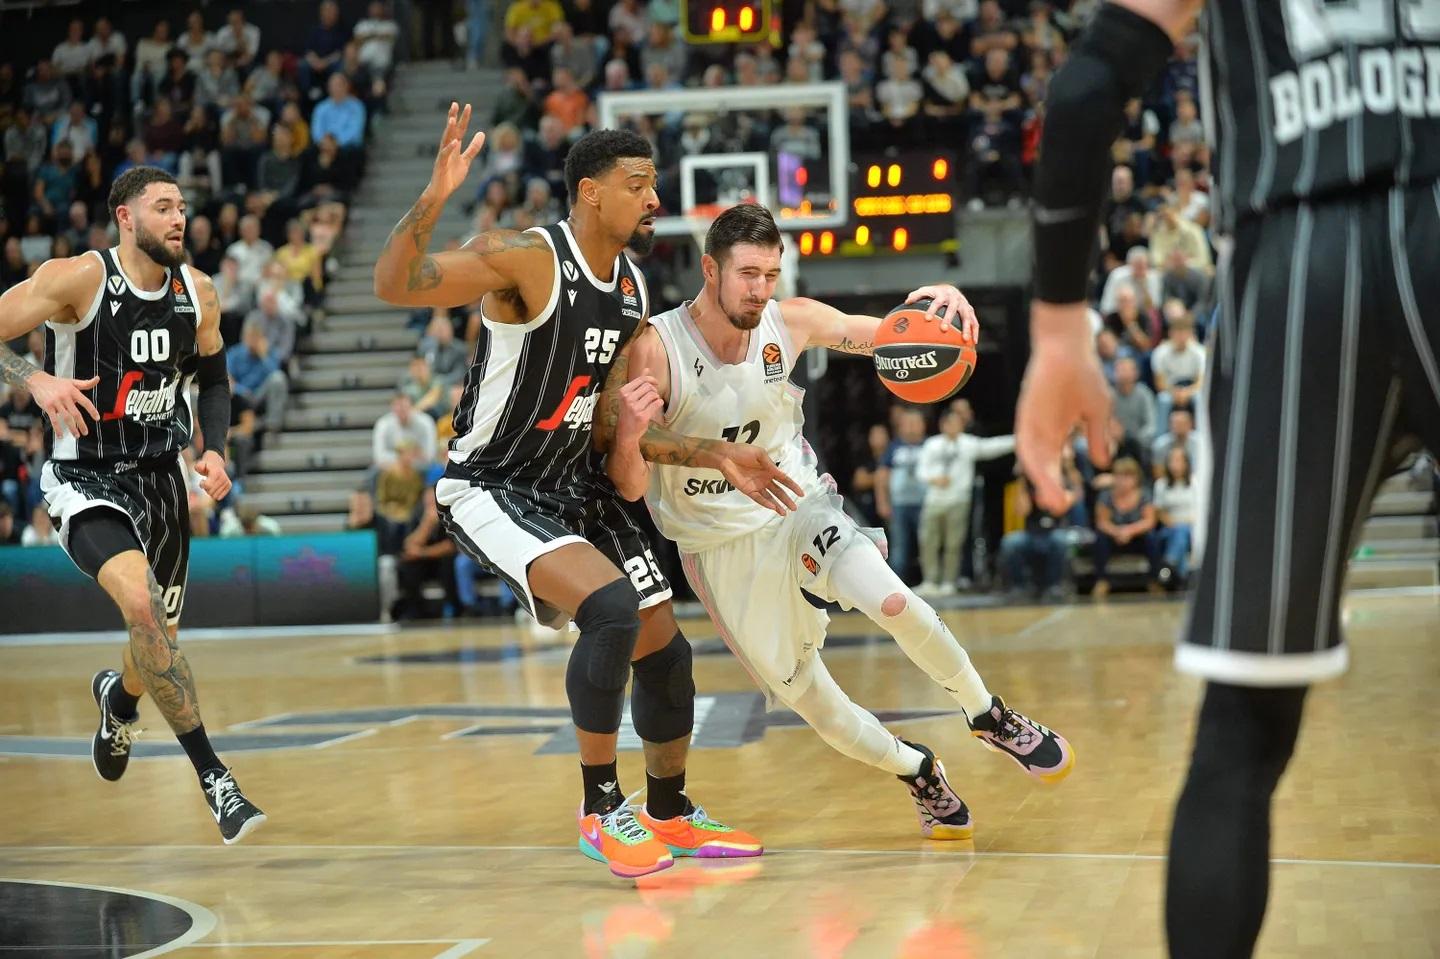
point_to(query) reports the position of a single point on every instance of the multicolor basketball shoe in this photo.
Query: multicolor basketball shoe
(1041, 753)
(693, 833)
(943, 814)
(617, 838)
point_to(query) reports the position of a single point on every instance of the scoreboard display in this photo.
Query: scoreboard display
(726, 21)
(899, 204)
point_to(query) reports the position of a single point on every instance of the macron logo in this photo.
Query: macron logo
(571, 294)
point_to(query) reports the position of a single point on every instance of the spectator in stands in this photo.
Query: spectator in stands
(539, 204)
(1134, 327)
(515, 104)
(77, 226)
(9, 534)
(425, 391)
(566, 102)
(1033, 557)
(547, 160)
(865, 492)
(236, 297)
(1109, 348)
(250, 252)
(277, 323)
(796, 137)
(990, 33)
(195, 42)
(859, 93)
(239, 41)
(1181, 435)
(401, 423)
(266, 85)
(1178, 363)
(78, 128)
(529, 29)
(177, 86)
(1175, 498)
(947, 466)
(150, 62)
(55, 182)
(26, 144)
(1171, 232)
(1122, 202)
(218, 84)
(1182, 283)
(323, 49)
(244, 435)
(1194, 205)
(257, 375)
(1136, 273)
(1138, 139)
(580, 57)
(898, 97)
(13, 268)
(340, 115)
(1186, 127)
(245, 519)
(376, 35)
(12, 476)
(1133, 403)
(303, 262)
(72, 55)
(905, 490)
(445, 425)
(164, 135)
(426, 553)
(37, 245)
(1124, 523)
(947, 98)
(504, 154)
(47, 96)
(40, 532)
(995, 103)
(362, 510)
(446, 357)
(398, 487)
(368, 87)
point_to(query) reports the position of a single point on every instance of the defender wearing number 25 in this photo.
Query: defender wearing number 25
(525, 493)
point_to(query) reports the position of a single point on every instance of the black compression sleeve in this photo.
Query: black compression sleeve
(1116, 59)
(214, 404)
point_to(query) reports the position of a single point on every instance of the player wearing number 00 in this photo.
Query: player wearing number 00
(720, 366)
(127, 330)
(524, 493)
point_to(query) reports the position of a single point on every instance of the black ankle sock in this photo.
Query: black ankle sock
(197, 746)
(121, 703)
(665, 797)
(602, 787)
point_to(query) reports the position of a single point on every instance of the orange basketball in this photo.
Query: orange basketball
(916, 361)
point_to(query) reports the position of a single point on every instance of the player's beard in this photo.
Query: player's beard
(641, 243)
(741, 321)
(155, 248)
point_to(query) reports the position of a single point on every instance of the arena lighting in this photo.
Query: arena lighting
(902, 205)
(872, 176)
(900, 239)
(862, 235)
(726, 21)
(807, 244)
(717, 20)
(940, 168)
(892, 175)
(747, 19)
(827, 243)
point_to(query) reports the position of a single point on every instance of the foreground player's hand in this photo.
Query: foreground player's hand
(957, 310)
(1063, 385)
(214, 480)
(640, 405)
(65, 402)
(452, 163)
(749, 469)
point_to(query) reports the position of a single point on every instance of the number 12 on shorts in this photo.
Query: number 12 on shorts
(643, 571)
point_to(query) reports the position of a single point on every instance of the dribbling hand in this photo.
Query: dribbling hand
(943, 296)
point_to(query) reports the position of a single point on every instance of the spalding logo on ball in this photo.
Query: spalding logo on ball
(916, 361)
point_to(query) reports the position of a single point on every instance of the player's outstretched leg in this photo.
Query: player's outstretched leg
(662, 707)
(861, 578)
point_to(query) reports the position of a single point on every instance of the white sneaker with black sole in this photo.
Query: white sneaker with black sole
(234, 814)
(110, 747)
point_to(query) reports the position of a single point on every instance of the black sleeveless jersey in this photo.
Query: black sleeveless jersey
(142, 345)
(1308, 98)
(523, 423)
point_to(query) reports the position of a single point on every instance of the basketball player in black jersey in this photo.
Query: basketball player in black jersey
(1325, 121)
(525, 492)
(126, 332)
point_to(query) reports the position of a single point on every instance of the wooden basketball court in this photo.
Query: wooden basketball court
(421, 788)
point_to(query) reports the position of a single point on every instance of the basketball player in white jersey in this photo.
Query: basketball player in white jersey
(719, 366)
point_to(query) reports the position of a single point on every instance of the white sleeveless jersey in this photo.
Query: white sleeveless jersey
(752, 401)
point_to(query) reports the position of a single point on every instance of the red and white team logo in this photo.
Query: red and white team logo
(573, 411)
(146, 406)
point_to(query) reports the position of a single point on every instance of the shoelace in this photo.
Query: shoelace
(225, 794)
(932, 790)
(621, 823)
(1011, 729)
(122, 736)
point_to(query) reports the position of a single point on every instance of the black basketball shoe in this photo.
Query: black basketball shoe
(234, 814)
(110, 749)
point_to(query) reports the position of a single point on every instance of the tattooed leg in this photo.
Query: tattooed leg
(154, 651)
(663, 760)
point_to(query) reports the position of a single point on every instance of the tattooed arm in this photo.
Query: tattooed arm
(812, 323)
(408, 274)
(61, 291)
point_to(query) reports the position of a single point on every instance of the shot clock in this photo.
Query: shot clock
(725, 21)
(899, 204)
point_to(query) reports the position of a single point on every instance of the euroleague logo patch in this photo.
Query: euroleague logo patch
(809, 563)
(627, 287)
(177, 286)
(773, 361)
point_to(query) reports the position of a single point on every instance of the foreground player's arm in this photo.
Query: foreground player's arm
(213, 403)
(812, 323)
(407, 274)
(746, 467)
(628, 407)
(61, 291)
(1118, 57)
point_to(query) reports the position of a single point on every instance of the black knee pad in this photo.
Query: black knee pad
(609, 621)
(662, 702)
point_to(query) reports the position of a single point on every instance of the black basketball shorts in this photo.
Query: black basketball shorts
(150, 493)
(1324, 369)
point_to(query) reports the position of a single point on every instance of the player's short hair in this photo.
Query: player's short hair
(132, 183)
(597, 152)
(742, 223)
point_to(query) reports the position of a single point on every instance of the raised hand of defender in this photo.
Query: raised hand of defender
(749, 469)
(64, 401)
(640, 405)
(452, 164)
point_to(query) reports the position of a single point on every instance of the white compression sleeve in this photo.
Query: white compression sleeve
(849, 729)
(862, 579)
